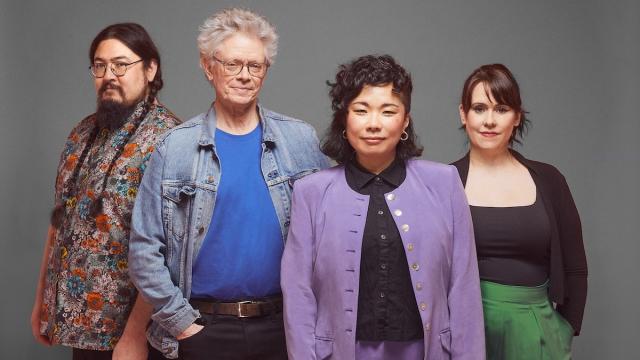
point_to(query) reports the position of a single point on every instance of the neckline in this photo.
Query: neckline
(535, 201)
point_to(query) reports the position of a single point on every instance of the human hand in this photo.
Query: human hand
(35, 323)
(131, 348)
(190, 331)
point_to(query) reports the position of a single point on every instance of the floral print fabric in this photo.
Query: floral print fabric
(87, 293)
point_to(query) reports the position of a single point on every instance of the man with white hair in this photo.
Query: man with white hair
(213, 208)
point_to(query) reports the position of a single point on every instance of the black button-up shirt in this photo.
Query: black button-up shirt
(387, 308)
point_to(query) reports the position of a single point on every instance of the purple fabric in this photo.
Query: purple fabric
(321, 263)
(384, 350)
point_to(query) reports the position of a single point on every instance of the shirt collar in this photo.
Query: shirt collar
(394, 174)
(209, 128)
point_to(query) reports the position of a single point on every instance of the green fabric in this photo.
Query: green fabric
(521, 324)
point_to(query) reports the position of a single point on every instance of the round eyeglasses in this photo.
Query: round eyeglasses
(99, 69)
(234, 67)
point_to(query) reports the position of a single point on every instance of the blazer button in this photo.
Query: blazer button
(397, 212)
(415, 266)
(404, 227)
(419, 286)
(427, 327)
(423, 306)
(410, 247)
(391, 197)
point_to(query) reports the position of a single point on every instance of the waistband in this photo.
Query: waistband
(516, 294)
(241, 309)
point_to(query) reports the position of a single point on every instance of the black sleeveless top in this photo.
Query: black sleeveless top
(513, 243)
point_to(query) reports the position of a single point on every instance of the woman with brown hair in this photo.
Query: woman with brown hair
(531, 258)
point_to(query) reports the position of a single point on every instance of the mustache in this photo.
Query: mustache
(108, 86)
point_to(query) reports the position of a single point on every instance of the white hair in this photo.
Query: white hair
(221, 25)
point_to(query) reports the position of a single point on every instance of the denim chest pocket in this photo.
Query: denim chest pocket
(176, 202)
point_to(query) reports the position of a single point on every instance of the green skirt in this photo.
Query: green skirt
(521, 324)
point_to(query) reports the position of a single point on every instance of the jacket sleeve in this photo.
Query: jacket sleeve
(147, 246)
(573, 257)
(300, 305)
(465, 302)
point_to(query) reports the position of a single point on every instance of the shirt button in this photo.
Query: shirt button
(383, 236)
(378, 179)
(380, 212)
(382, 295)
(419, 286)
(391, 197)
(415, 266)
(405, 227)
(383, 266)
(397, 212)
(410, 247)
(201, 230)
(423, 306)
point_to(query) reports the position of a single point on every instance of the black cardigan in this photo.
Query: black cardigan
(568, 268)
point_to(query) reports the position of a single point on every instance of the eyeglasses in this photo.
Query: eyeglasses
(234, 67)
(99, 70)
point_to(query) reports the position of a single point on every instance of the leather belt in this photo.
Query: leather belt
(241, 309)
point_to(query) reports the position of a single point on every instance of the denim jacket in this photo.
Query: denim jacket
(175, 203)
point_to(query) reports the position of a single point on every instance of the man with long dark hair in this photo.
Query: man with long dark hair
(84, 297)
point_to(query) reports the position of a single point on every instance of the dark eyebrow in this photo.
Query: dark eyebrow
(390, 104)
(363, 103)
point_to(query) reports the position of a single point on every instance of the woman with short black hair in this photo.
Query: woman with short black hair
(380, 259)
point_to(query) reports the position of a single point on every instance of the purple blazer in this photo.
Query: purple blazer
(321, 263)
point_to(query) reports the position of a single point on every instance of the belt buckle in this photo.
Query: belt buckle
(240, 313)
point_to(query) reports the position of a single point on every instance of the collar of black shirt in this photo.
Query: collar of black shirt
(359, 178)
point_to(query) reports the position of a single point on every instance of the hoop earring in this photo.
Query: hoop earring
(404, 136)
(344, 134)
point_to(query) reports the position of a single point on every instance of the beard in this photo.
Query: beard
(110, 113)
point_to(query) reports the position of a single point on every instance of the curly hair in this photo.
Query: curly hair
(136, 38)
(498, 81)
(372, 70)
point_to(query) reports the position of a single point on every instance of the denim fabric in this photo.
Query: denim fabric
(175, 203)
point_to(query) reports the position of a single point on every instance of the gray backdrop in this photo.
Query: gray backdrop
(577, 63)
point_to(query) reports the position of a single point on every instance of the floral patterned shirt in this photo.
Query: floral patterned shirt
(87, 292)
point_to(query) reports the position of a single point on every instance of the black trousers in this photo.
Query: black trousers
(227, 337)
(81, 354)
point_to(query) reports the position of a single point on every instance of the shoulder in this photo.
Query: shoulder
(544, 171)
(318, 182)
(186, 131)
(286, 122)
(158, 120)
(428, 170)
(83, 127)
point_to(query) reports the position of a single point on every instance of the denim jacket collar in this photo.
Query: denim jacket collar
(209, 129)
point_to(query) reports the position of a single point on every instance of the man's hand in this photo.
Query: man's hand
(190, 331)
(131, 348)
(35, 322)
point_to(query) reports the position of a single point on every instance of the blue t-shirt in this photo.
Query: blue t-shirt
(240, 256)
